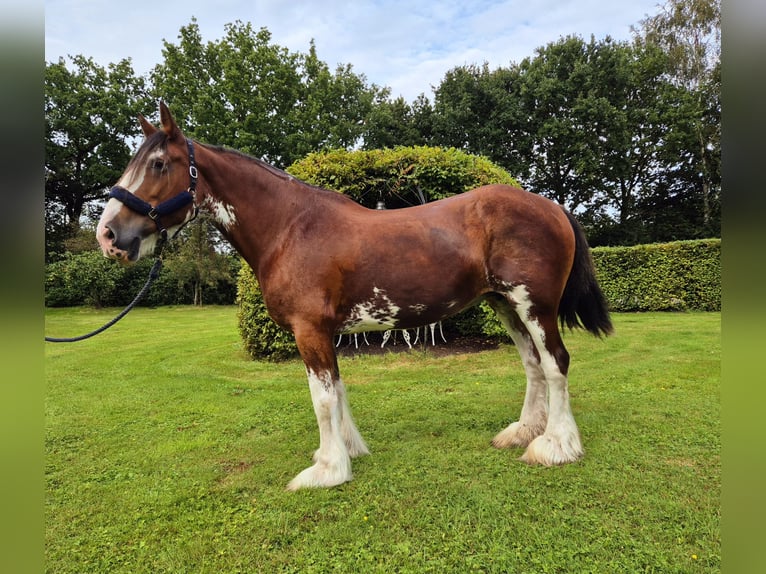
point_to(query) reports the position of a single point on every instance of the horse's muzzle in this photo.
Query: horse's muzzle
(121, 248)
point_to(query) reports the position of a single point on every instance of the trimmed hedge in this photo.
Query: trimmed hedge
(677, 276)
(261, 336)
(683, 275)
(401, 176)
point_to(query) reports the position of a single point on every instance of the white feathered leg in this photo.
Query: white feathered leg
(534, 412)
(332, 461)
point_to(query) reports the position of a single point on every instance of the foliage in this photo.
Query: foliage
(195, 263)
(251, 94)
(600, 127)
(480, 111)
(89, 278)
(171, 455)
(679, 276)
(399, 177)
(393, 123)
(261, 336)
(86, 278)
(90, 116)
(689, 33)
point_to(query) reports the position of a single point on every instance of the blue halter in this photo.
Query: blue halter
(182, 199)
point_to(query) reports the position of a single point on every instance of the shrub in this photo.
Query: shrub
(401, 176)
(677, 276)
(89, 278)
(262, 337)
(85, 278)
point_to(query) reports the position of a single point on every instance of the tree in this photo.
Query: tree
(194, 261)
(90, 116)
(479, 111)
(595, 126)
(393, 123)
(246, 92)
(689, 32)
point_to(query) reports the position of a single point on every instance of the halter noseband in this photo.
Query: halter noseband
(182, 199)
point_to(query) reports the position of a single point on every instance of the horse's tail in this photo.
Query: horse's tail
(583, 304)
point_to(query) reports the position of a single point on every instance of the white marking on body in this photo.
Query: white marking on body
(222, 212)
(332, 460)
(419, 308)
(377, 314)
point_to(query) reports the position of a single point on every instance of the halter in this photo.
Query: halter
(182, 199)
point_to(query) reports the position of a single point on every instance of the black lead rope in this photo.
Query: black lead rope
(153, 274)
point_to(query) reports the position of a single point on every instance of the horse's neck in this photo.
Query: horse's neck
(250, 204)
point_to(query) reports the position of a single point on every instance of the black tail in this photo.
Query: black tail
(583, 304)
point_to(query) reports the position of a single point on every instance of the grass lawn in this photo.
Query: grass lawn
(167, 450)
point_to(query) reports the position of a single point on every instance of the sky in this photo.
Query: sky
(407, 45)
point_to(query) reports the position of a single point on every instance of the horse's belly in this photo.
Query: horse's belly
(383, 311)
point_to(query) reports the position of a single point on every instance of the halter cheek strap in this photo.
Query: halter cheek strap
(182, 199)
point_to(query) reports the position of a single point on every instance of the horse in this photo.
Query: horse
(328, 266)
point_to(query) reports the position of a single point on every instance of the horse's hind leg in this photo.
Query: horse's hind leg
(543, 353)
(534, 412)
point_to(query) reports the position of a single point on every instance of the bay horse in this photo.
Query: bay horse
(327, 266)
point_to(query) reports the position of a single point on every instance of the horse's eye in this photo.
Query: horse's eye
(158, 164)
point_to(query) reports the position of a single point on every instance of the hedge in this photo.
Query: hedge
(683, 275)
(262, 337)
(677, 276)
(400, 176)
(89, 278)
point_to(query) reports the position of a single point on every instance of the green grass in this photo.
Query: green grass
(168, 451)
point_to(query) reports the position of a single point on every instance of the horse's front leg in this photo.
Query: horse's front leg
(338, 437)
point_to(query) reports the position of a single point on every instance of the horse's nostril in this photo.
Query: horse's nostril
(109, 234)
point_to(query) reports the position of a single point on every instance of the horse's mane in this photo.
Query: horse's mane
(274, 170)
(281, 174)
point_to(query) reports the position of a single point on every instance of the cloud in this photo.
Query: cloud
(406, 45)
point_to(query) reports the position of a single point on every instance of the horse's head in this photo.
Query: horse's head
(154, 196)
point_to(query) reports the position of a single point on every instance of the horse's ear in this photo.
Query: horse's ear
(146, 127)
(167, 122)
